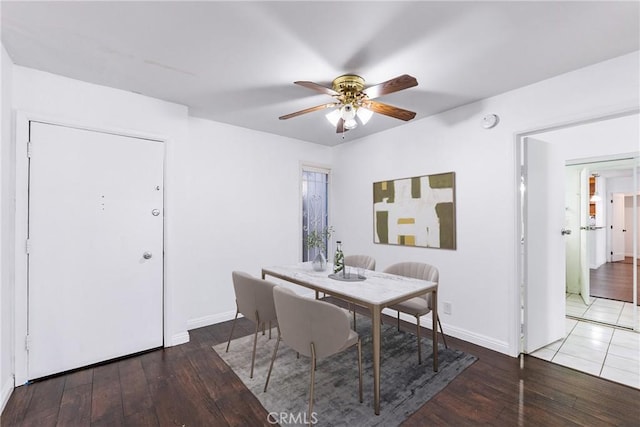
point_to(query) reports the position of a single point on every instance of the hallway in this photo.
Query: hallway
(613, 280)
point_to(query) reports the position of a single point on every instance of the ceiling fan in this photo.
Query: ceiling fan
(354, 101)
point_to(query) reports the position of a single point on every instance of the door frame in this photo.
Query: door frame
(22, 122)
(520, 245)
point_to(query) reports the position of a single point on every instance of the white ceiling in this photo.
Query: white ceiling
(235, 62)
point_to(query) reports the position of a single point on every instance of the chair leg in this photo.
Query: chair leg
(233, 325)
(255, 342)
(418, 334)
(444, 340)
(354, 318)
(398, 321)
(273, 358)
(313, 378)
(269, 329)
(360, 369)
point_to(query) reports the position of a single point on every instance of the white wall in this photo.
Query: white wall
(479, 278)
(245, 210)
(7, 221)
(621, 184)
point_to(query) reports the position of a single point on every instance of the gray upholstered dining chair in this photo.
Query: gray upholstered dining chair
(314, 329)
(254, 300)
(417, 306)
(359, 261)
(363, 261)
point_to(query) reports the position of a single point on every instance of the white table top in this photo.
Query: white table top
(378, 289)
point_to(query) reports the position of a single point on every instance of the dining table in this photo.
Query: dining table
(374, 290)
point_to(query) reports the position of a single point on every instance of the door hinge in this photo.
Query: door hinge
(29, 149)
(28, 246)
(27, 342)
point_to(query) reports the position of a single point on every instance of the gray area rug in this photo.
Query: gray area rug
(404, 386)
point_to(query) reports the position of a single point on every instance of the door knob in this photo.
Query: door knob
(147, 255)
(565, 231)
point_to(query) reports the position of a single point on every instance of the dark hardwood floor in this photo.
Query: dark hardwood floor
(614, 280)
(190, 385)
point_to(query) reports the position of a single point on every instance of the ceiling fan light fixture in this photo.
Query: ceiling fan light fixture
(364, 115)
(333, 117)
(348, 112)
(350, 124)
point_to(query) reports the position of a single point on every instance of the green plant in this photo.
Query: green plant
(318, 238)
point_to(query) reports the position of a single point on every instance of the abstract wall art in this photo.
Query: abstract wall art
(418, 211)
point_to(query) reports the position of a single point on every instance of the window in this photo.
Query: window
(315, 207)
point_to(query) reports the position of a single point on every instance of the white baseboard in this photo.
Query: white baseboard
(179, 338)
(211, 319)
(463, 334)
(5, 393)
(481, 340)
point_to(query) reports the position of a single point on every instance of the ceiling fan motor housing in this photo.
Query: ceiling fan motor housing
(348, 83)
(350, 87)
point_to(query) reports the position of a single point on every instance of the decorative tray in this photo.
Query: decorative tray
(348, 278)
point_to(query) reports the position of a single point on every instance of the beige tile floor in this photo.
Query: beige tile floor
(597, 349)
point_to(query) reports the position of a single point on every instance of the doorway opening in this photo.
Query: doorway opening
(542, 156)
(600, 265)
(545, 156)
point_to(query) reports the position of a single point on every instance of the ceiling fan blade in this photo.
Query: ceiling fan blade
(308, 110)
(318, 88)
(391, 111)
(404, 81)
(340, 128)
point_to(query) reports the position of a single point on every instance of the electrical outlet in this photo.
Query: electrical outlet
(446, 307)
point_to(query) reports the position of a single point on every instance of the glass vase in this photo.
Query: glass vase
(319, 263)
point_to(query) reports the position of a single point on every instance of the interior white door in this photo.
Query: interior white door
(544, 219)
(617, 227)
(572, 222)
(95, 247)
(584, 237)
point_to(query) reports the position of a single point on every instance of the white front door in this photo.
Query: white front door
(544, 306)
(95, 285)
(617, 227)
